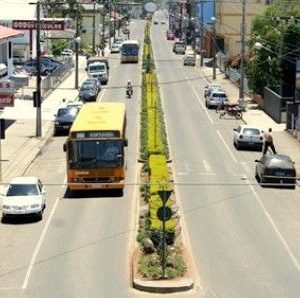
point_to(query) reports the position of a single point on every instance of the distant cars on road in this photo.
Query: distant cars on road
(189, 59)
(248, 136)
(275, 170)
(24, 196)
(115, 48)
(88, 91)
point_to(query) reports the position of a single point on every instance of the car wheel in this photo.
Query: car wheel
(237, 145)
(40, 215)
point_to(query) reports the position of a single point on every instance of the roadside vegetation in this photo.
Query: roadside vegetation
(278, 32)
(155, 180)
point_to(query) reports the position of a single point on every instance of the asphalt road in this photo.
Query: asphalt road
(244, 239)
(81, 248)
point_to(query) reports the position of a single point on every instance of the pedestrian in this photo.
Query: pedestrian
(268, 142)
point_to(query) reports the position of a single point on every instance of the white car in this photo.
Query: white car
(115, 48)
(24, 196)
(248, 136)
(67, 53)
(216, 98)
(210, 87)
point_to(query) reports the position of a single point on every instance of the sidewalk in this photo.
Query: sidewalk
(20, 146)
(285, 143)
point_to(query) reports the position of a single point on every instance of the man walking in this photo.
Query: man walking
(268, 142)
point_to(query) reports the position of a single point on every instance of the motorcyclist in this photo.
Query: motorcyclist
(129, 90)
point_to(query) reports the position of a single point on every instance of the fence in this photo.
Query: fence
(234, 76)
(51, 81)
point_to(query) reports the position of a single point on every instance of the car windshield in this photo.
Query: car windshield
(219, 95)
(22, 190)
(251, 131)
(95, 154)
(67, 112)
(86, 87)
(96, 68)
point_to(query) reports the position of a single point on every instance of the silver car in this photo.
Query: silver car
(275, 170)
(216, 98)
(248, 136)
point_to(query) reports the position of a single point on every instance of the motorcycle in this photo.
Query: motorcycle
(233, 111)
(129, 92)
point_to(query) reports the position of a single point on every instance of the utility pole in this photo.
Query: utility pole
(202, 37)
(76, 51)
(243, 25)
(37, 93)
(103, 32)
(94, 24)
(110, 16)
(214, 43)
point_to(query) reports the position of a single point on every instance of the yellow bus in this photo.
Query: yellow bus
(129, 51)
(95, 147)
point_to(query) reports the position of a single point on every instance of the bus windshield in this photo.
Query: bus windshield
(97, 67)
(130, 49)
(91, 154)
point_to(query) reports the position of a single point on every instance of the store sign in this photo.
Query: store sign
(50, 25)
(6, 100)
(7, 94)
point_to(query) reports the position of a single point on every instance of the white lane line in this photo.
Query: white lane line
(226, 146)
(200, 101)
(38, 246)
(206, 165)
(277, 232)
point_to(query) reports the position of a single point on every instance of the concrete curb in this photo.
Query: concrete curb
(160, 286)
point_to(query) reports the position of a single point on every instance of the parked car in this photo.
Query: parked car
(189, 59)
(30, 67)
(208, 88)
(46, 66)
(248, 136)
(216, 98)
(170, 35)
(64, 118)
(24, 196)
(94, 81)
(275, 169)
(88, 92)
(179, 47)
(126, 31)
(163, 22)
(210, 63)
(115, 48)
(67, 53)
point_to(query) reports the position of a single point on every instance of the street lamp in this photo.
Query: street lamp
(77, 42)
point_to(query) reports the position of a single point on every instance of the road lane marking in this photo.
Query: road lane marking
(38, 246)
(226, 146)
(206, 165)
(200, 101)
(277, 232)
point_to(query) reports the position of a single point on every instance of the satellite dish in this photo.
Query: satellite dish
(150, 7)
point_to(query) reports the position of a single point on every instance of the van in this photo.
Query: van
(97, 59)
(98, 70)
(179, 47)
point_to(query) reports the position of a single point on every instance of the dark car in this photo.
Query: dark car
(64, 118)
(95, 82)
(275, 169)
(88, 92)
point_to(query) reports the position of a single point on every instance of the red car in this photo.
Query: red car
(170, 35)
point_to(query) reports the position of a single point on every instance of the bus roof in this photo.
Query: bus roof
(100, 116)
(130, 41)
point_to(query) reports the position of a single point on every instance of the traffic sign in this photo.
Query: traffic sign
(164, 213)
